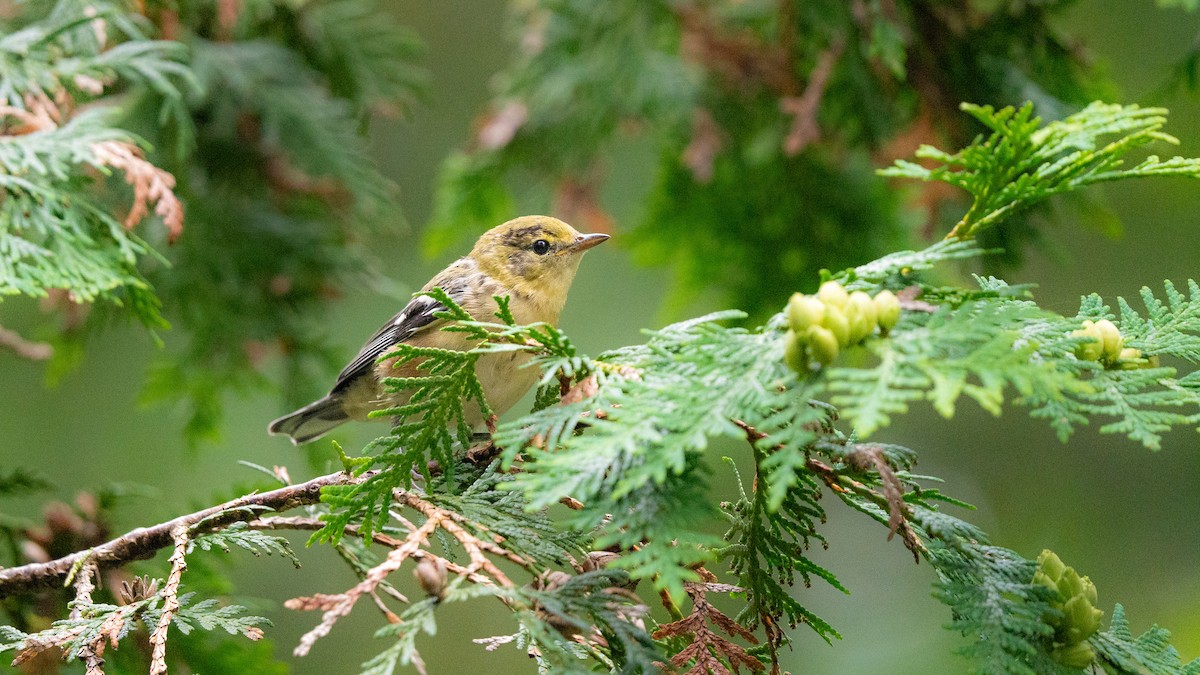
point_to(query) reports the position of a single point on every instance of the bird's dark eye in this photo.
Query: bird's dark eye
(541, 247)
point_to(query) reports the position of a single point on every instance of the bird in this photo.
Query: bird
(530, 259)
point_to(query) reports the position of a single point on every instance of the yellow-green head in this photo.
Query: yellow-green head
(534, 256)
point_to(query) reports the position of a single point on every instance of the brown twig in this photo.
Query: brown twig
(863, 457)
(804, 108)
(26, 349)
(143, 543)
(170, 595)
(312, 524)
(339, 605)
(84, 585)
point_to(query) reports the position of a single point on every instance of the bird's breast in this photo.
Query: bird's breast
(505, 377)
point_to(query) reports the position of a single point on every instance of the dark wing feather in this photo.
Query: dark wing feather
(418, 314)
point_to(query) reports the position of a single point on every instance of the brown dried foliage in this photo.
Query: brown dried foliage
(480, 570)
(869, 456)
(151, 185)
(35, 654)
(710, 651)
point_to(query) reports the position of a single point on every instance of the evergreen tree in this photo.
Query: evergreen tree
(203, 165)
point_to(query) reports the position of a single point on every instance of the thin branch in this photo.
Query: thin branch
(339, 605)
(143, 543)
(804, 108)
(475, 546)
(170, 594)
(84, 585)
(26, 349)
(312, 525)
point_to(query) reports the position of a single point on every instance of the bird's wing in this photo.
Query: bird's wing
(416, 316)
(458, 280)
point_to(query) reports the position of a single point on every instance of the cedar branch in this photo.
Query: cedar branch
(158, 638)
(143, 543)
(84, 585)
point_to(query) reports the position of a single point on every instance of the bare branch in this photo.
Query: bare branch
(26, 349)
(170, 594)
(84, 585)
(143, 543)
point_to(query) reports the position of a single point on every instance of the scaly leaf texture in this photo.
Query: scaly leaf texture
(650, 418)
(491, 508)
(97, 623)
(58, 228)
(1150, 652)
(589, 603)
(992, 597)
(995, 346)
(239, 535)
(1021, 162)
(1145, 402)
(771, 527)
(977, 349)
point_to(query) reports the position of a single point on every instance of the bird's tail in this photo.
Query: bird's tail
(310, 422)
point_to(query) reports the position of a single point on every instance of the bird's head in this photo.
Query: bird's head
(534, 255)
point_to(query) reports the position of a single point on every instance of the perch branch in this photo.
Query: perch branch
(143, 543)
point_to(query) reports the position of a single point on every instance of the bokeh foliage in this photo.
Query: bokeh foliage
(766, 174)
(767, 118)
(255, 117)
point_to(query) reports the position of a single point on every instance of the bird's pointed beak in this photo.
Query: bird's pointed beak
(586, 241)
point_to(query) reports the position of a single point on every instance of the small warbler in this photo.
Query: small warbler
(531, 259)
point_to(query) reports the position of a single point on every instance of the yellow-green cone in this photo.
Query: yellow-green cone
(835, 321)
(1110, 339)
(822, 344)
(832, 293)
(1079, 618)
(794, 352)
(887, 307)
(862, 315)
(1093, 348)
(804, 311)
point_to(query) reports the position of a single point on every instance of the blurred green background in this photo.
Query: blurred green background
(1114, 511)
